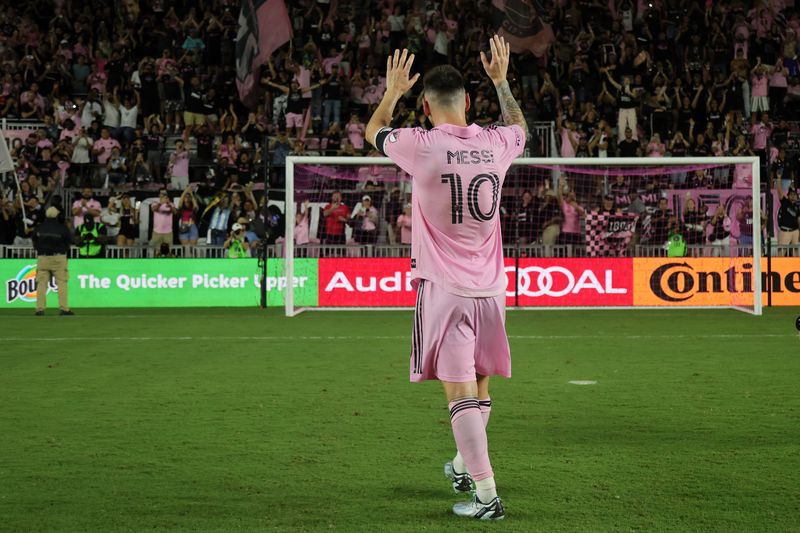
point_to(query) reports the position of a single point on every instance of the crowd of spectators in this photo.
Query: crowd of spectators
(141, 95)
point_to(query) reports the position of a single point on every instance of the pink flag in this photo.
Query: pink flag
(520, 24)
(264, 26)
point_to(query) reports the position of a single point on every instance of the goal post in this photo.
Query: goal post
(618, 258)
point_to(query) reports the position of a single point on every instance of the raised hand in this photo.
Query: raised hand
(398, 68)
(497, 68)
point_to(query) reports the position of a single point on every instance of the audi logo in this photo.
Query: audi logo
(558, 281)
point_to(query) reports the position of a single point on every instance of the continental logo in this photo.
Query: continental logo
(712, 281)
(678, 282)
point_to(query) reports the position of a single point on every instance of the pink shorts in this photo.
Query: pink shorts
(456, 338)
(294, 120)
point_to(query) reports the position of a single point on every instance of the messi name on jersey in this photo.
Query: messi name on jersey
(470, 157)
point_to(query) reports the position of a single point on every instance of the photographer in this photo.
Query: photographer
(237, 244)
(91, 237)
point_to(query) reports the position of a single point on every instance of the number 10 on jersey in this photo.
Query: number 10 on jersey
(473, 190)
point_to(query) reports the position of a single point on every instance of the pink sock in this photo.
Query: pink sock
(486, 410)
(470, 435)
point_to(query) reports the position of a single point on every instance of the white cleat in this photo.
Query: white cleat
(462, 482)
(482, 511)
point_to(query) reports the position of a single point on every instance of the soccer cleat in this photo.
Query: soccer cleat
(482, 511)
(39, 313)
(461, 482)
(66, 313)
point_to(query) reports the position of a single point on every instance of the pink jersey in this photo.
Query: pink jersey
(457, 173)
(759, 86)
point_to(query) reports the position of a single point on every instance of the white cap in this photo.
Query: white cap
(365, 198)
(237, 227)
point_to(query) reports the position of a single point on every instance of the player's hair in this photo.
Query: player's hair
(443, 85)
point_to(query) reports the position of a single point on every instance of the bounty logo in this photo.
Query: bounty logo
(23, 286)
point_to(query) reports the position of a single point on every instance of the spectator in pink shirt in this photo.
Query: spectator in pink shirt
(573, 213)
(179, 166)
(102, 146)
(229, 149)
(570, 137)
(655, 148)
(761, 131)
(366, 226)
(85, 205)
(759, 88)
(165, 62)
(301, 233)
(332, 61)
(355, 131)
(163, 211)
(404, 224)
(32, 104)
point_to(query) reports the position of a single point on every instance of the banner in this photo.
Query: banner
(386, 282)
(161, 283)
(712, 281)
(520, 24)
(609, 234)
(356, 282)
(264, 26)
(731, 199)
(570, 282)
(542, 282)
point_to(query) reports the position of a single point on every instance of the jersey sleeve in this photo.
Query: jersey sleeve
(511, 143)
(400, 145)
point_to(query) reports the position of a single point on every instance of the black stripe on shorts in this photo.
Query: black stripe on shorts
(417, 359)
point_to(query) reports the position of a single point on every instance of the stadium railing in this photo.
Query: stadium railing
(139, 251)
(207, 251)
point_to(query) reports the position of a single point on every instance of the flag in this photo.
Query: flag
(264, 26)
(6, 164)
(519, 22)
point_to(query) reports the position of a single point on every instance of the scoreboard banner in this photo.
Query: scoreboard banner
(386, 282)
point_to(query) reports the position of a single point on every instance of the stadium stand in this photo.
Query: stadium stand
(132, 97)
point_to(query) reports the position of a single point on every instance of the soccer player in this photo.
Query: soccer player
(457, 269)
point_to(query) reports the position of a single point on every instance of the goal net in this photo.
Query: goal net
(621, 232)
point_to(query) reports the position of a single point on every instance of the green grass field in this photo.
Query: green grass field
(242, 420)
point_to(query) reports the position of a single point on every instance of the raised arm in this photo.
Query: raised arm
(278, 86)
(497, 69)
(398, 68)
(612, 81)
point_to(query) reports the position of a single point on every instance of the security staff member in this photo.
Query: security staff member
(91, 236)
(52, 240)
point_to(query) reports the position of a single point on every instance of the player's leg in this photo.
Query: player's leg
(484, 400)
(457, 466)
(470, 435)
